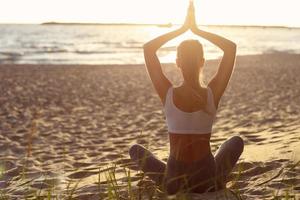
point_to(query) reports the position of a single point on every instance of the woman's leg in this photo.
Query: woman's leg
(227, 156)
(148, 163)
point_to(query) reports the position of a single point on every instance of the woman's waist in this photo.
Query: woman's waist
(189, 147)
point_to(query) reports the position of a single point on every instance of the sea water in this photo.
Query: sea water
(122, 44)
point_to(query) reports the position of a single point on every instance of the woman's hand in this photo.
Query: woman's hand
(186, 25)
(192, 18)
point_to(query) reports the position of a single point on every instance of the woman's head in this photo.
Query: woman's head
(190, 59)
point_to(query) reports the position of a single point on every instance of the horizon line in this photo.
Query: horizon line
(53, 23)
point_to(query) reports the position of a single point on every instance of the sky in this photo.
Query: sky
(233, 12)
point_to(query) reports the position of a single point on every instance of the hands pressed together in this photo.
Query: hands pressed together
(190, 20)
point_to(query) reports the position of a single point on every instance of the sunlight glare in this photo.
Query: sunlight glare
(229, 12)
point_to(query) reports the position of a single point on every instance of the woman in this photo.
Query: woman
(190, 110)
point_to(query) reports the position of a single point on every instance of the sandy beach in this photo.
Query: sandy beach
(62, 125)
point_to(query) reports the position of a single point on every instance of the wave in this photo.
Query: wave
(272, 51)
(51, 51)
(112, 51)
(92, 52)
(171, 48)
(10, 57)
(131, 44)
(11, 54)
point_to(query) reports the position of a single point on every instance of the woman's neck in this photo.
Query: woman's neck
(192, 84)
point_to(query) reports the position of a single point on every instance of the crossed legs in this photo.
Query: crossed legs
(225, 158)
(148, 163)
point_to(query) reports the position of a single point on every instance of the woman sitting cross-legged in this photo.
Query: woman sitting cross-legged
(190, 110)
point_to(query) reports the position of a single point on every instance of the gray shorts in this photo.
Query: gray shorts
(196, 177)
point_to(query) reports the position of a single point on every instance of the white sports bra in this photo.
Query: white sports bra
(198, 122)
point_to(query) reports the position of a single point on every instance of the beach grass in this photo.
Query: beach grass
(112, 189)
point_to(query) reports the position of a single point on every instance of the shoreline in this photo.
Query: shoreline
(280, 54)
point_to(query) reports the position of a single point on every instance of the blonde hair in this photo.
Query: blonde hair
(190, 51)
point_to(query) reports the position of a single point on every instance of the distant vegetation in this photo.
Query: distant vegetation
(168, 25)
(104, 24)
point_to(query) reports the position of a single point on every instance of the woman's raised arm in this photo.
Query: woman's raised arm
(220, 80)
(159, 80)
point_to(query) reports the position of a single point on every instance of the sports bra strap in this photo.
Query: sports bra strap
(211, 97)
(168, 95)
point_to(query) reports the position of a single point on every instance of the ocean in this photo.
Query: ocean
(122, 44)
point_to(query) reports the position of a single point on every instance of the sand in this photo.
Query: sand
(61, 125)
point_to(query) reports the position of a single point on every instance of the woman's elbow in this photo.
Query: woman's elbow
(231, 48)
(148, 48)
(145, 46)
(234, 46)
